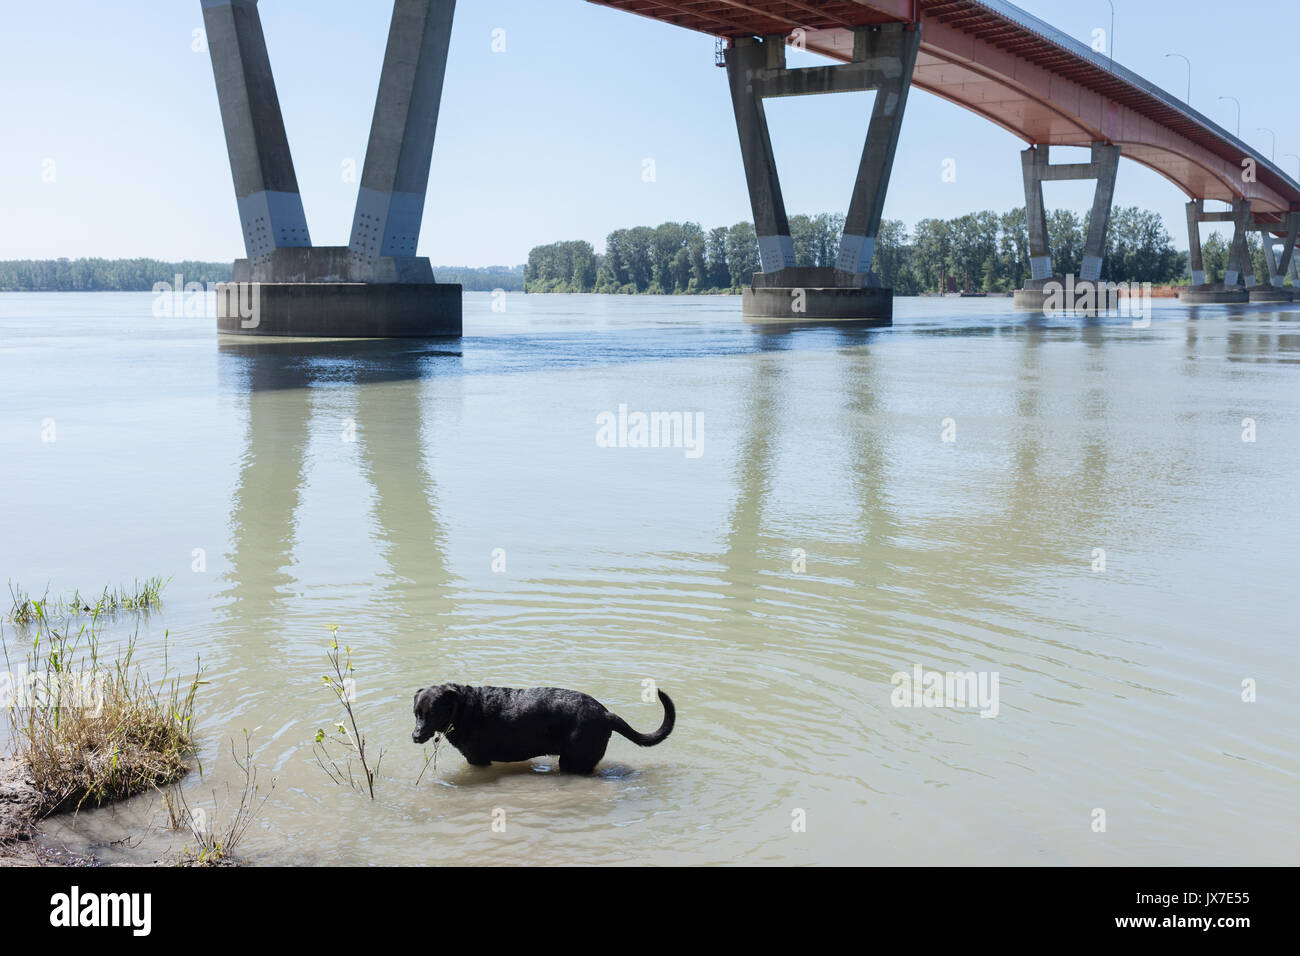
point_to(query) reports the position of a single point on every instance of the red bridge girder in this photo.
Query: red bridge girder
(1020, 73)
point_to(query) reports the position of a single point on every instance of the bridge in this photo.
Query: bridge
(986, 56)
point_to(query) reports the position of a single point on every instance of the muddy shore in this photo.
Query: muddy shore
(21, 810)
(20, 814)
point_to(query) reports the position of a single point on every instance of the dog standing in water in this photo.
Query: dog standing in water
(507, 724)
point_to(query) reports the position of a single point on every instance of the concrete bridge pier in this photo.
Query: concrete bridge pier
(375, 287)
(1277, 268)
(848, 291)
(1043, 285)
(1200, 292)
(266, 187)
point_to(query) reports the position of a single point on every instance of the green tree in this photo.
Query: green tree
(1214, 255)
(742, 254)
(891, 262)
(1139, 248)
(1013, 248)
(931, 243)
(1065, 240)
(715, 255)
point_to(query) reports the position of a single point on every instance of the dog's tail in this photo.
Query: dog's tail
(647, 740)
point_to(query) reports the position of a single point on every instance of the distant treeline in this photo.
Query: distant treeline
(982, 251)
(485, 279)
(103, 275)
(140, 275)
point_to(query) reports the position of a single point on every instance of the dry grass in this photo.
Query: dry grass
(89, 732)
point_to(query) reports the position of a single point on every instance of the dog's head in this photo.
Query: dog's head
(435, 707)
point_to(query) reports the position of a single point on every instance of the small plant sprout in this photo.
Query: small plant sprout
(431, 757)
(216, 842)
(344, 735)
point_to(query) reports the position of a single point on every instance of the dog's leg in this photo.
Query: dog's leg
(575, 763)
(473, 758)
(584, 750)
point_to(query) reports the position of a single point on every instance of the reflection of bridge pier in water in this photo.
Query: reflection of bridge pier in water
(765, 398)
(280, 382)
(753, 472)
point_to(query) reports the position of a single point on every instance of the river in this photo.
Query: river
(1070, 507)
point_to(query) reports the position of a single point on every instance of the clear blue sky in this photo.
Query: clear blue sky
(543, 142)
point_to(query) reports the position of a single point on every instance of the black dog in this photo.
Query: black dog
(508, 724)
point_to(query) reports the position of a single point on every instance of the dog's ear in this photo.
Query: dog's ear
(454, 695)
(421, 695)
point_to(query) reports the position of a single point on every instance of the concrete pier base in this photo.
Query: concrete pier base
(1270, 293)
(1065, 294)
(339, 309)
(868, 308)
(1029, 300)
(817, 294)
(1216, 294)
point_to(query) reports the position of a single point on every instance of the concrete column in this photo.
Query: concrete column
(390, 202)
(1241, 219)
(1196, 265)
(893, 49)
(1036, 167)
(270, 207)
(1032, 162)
(1105, 161)
(1292, 223)
(744, 57)
(1270, 260)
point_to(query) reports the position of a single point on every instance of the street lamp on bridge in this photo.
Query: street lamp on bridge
(1110, 38)
(1238, 102)
(1272, 152)
(1189, 75)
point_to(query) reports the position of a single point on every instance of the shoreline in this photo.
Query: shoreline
(21, 811)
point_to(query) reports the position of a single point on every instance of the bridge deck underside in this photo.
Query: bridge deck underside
(978, 56)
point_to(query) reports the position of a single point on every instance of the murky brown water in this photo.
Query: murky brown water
(1118, 689)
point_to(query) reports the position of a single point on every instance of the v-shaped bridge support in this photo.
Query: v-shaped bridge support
(883, 59)
(266, 188)
(390, 203)
(395, 176)
(1278, 266)
(1037, 169)
(1200, 292)
(281, 260)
